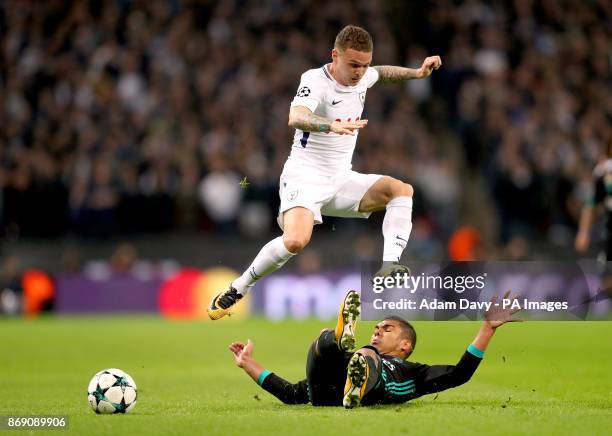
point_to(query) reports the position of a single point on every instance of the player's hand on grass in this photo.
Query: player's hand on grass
(429, 64)
(242, 352)
(347, 127)
(499, 313)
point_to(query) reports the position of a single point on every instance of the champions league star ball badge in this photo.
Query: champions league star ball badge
(304, 91)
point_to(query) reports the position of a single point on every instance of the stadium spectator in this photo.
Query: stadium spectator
(11, 293)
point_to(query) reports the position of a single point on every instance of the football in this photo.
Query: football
(112, 391)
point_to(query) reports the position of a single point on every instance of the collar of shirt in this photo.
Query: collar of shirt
(339, 86)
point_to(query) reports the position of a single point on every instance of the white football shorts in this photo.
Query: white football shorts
(331, 195)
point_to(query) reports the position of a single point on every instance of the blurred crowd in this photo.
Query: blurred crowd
(122, 117)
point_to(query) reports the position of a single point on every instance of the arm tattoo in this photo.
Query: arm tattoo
(391, 74)
(309, 122)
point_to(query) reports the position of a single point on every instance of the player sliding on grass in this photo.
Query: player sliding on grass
(375, 374)
(317, 178)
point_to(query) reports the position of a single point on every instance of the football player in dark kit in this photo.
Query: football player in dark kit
(601, 200)
(377, 373)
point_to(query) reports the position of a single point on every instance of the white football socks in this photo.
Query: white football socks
(396, 228)
(271, 257)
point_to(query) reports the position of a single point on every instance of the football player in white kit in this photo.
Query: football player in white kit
(317, 178)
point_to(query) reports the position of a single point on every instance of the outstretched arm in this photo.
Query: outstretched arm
(437, 378)
(288, 393)
(243, 355)
(496, 316)
(393, 74)
(591, 209)
(583, 238)
(300, 117)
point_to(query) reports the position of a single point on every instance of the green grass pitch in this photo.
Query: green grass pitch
(536, 378)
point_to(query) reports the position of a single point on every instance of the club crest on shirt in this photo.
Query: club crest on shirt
(362, 98)
(292, 195)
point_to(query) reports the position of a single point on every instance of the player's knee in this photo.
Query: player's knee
(401, 189)
(371, 356)
(396, 188)
(294, 243)
(368, 352)
(408, 190)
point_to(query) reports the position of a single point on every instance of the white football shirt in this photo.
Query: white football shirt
(319, 92)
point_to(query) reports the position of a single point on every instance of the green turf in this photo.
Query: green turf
(536, 378)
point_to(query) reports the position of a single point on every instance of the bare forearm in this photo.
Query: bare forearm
(252, 368)
(586, 219)
(308, 121)
(393, 74)
(482, 339)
